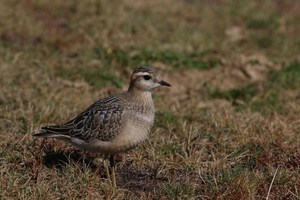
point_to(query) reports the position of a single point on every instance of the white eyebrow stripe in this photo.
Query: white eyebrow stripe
(142, 73)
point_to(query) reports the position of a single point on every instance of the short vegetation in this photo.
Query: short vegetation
(228, 128)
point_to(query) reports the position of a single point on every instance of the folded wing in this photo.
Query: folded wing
(102, 121)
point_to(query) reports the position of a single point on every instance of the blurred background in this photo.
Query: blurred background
(227, 127)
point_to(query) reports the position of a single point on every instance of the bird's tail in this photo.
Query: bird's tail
(52, 131)
(44, 134)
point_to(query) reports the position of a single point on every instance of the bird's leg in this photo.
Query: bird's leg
(84, 158)
(112, 166)
(106, 168)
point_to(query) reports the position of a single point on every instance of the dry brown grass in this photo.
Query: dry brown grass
(227, 129)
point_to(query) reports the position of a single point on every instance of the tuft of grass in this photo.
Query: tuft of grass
(269, 101)
(254, 62)
(288, 77)
(165, 118)
(99, 78)
(264, 97)
(263, 22)
(265, 42)
(219, 180)
(245, 93)
(170, 150)
(96, 77)
(178, 190)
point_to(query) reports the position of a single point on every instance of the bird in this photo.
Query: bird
(115, 124)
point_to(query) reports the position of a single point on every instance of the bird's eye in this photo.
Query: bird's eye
(147, 77)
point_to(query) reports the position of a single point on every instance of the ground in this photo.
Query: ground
(228, 128)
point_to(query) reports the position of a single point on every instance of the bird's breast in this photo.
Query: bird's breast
(136, 129)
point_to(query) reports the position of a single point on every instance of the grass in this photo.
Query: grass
(230, 121)
(288, 77)
(264, 96)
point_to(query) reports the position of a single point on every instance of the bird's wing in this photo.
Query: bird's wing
(102, 121)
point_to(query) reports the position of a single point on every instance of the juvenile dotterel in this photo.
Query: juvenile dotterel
(114, 124)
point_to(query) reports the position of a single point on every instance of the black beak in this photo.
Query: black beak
(164, 83)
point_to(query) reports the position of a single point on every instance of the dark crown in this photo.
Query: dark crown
(146, 69)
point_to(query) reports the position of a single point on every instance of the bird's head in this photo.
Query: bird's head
(146, 78)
